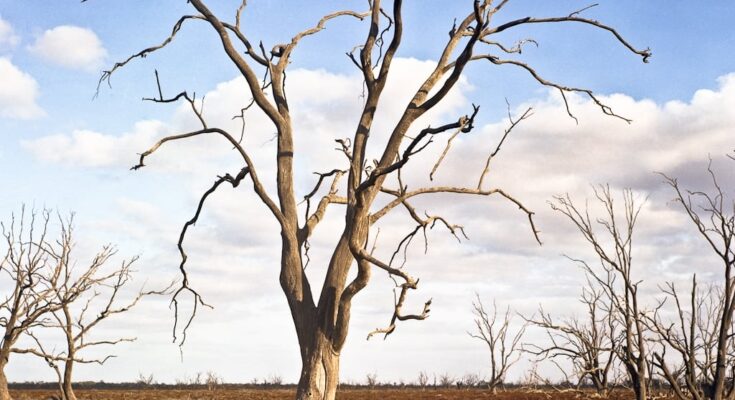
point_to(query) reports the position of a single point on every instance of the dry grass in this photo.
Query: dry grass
(347, 394)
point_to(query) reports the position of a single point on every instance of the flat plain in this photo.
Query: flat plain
(346, 394)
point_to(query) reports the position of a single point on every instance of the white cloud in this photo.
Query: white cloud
(667, 137)
(319, 117)
(18, 92)
(85, 148)
(8, 38)
(71, 47)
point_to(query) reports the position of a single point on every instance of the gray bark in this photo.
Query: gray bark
(4, 392)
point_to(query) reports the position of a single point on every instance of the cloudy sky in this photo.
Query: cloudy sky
(63, 148)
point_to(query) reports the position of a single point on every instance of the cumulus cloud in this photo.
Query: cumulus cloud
(18, 92)
(71, 47)
(8, 38)
(85, 148)
(549, 154)
(319, 117)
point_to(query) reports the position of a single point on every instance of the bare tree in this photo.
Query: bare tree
(614, 275)
(692, 335)
(423, 379)
(371, 380)
(46, 288)
(31, 264)
(322, 323)
(445, 380)
(469, 380)
(144, 380)
(274, 379)
(102, 290)
(213, 381)
(713, 214)
(588, 343)
(502, 344)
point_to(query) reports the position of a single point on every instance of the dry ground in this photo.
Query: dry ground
(286, 394)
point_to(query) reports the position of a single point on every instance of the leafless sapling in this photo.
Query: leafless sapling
(503, 345)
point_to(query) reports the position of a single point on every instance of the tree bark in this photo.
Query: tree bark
(66, 388)
(718, 391)
(4, 393)
(322, 340)
(639, 387)
(323, 333)
(320, 370)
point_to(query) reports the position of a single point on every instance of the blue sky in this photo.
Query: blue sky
(691, 44)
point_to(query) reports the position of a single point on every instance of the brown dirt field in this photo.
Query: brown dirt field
(285, 394)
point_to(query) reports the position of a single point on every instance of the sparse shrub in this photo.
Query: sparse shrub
(212, 380)
(145, 380)
(446, 380)
(423, 379)
(274, 380)
(531, 379)
(371, 380)
(470, 380)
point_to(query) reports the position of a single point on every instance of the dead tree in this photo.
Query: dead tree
(502, 345)
(588, 344)
(322, 322)
(31, 264)
(692, 335)
(86, 300)
(45, 289)
(614, 275)
(713, 215)
(31, 276)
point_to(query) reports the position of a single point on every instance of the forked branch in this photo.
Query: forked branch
(185, 287)
(107, 74)
(457, 190)
(645, 54)
(257, 185)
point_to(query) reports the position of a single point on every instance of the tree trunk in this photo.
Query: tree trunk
(319, 360)
(642, 393)
(640, 388)
(323, 336)
(67, 390)
(718, 390)
(600, 387)
(4, 393)
(319, 371)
